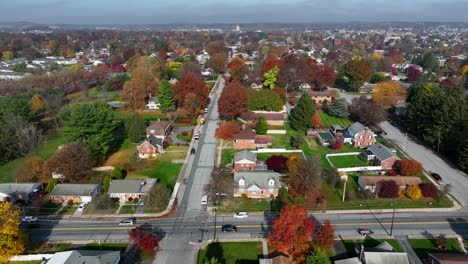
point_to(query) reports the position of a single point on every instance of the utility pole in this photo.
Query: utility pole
(393, 219)
(214, 232)
(344, 189)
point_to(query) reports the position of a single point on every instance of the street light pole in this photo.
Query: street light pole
(214, 231)
(393, 219)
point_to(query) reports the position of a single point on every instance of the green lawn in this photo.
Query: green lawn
(45, 150)
(26, 262)
(91, 209)
(122, 114)
(227, 156)
(47, 208)
(328, 120)
(187, 137)
(231, 205)
(106, 246)
(127, 209)
(232, 252)
(38, 247)
(68, 210)
(349, 245)
(424, 246)
(165, 171)
(347, 161)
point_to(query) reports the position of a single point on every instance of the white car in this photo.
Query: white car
(28, 219)
(206, 110)
(82, 206)
(241, 215)
(204, 199)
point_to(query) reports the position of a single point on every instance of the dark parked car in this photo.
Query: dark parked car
(229, 228)
(436, 176)
(365, 231)
(192, 151)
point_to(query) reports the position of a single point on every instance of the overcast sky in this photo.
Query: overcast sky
(229, 11)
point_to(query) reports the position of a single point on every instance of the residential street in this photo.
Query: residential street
(431, 162)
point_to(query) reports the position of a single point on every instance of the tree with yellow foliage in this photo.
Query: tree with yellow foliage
(388, 93)
(292, 160)
(37, 103)
(12, 239)
(414, 192)
(464, 70)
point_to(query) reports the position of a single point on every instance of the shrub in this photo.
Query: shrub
(106, 183)
(276, 163)
(391, 173)
(194, 121)
(130, 199)
(70, 202)
(337, 144)
(414, 192)
(429, 190)
(184, 134)
(135, 200)
(388, 189)
(51, 185)
(116, 174)
(244, 197)
(410, 167)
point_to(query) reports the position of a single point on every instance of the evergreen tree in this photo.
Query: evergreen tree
(166, 96)
(262, 126)
(301, 116)
(339, 108)
(135, 127)
(325, 105)
(318, 257)
(298, 140)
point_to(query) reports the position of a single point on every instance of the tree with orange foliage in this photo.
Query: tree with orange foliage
(292, 160)
(270, 62)
(326, 235)
(227, 130)
(237, 68)
(316, 120)
(191, 93)
(292, 231)
(388, 93)
(409, 167)
(32, 170)
(217, 62)
(233, 100)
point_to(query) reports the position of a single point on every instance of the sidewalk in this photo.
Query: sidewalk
(409, 250)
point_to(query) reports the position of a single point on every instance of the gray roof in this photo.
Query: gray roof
(355, 128)
(85, 257)
(354, 260)
(74, 189)
(18, 188)
(245, 154)
(131, 186)
(386, 258)
(380, 151)
(155, 141)
(259, 178)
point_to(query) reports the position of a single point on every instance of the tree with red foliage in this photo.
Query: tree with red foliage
(292, 231)
(163, 55)
(322, 75)
(391, 173)
(394, 70)
(233, 101)
(409, 167)
(413, 74)
(116, 60)
(276, 163)
(270, 62)
(316, 120)
(337, 144)
(237, 68)
(227, 130)
(217, 62)
(144, 238)
(326, 235)
(128, 53)
(429, 190)
(388, 189)
(191, 93)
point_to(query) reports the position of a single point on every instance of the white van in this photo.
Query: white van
(204, 199)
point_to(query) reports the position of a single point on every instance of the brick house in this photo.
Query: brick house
(403, 182)
(150, 147)
(159, 129)
(262, 141)
(273, 119)
(380, 155)
(256, 184)
(245, 160)
(76, 192)
(447, 258)
(245, 139)
(319, 97)
(126, 190)
(359, 135)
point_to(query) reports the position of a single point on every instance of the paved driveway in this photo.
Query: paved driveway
(431, 162)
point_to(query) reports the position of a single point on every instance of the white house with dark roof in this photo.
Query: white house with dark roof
(76, 192)
(256, 184)
(10, 192)
(126, 190)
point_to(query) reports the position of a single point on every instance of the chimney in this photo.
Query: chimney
(243, 126)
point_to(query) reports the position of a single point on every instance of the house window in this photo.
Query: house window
(254, 192)
(370, 136)
(359, 143)
(360, 137)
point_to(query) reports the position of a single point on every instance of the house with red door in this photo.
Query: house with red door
(359, 135)
(256, 184)
(150, 147)
(381, 155)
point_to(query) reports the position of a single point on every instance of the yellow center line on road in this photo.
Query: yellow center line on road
(260, 225)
